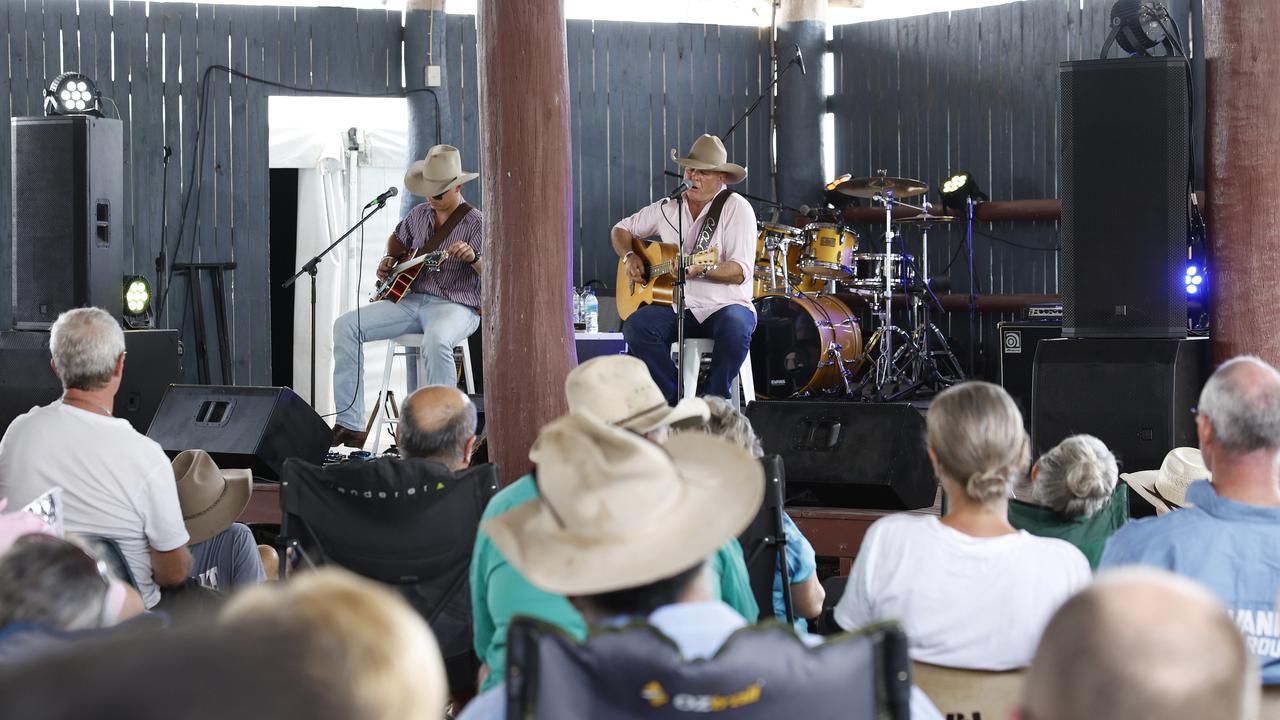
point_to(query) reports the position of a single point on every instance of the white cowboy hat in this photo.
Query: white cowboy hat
(440, 172)
(708, 153)
(619, 390)
(211, 498)
(1166, 488)
(616, 511)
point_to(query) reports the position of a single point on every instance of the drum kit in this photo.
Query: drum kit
(808, 342)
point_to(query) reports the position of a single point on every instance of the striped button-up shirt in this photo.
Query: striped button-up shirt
(455, 281)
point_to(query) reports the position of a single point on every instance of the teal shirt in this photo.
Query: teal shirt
(499, 592)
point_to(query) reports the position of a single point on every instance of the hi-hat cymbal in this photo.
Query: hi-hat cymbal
(869, 187)
(925, 219)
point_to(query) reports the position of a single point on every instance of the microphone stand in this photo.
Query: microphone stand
(680, 280)
(749, 110)
(310, 268)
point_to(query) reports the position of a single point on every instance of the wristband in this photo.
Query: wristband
(628, 255)
(474, 260)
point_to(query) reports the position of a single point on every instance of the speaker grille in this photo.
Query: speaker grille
(1124, 158)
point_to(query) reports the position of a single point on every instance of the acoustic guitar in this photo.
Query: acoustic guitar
(400, 278)
(660, 265)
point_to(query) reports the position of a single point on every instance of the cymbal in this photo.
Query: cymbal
(925, 219)
(869, 187)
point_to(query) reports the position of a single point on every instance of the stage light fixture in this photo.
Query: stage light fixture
(957, 190)
(72, 93)
(1195, 279)
(1137, 26)
(137, 301)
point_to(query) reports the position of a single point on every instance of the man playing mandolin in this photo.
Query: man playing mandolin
(718, 294)
(442, 301)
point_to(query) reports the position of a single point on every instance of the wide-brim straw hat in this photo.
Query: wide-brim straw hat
(615, 511)
(619, 390)
(211, 498)
(1166, 488)
(708, 153)
(439, 172)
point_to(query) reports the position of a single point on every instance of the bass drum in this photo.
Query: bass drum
(791, 346)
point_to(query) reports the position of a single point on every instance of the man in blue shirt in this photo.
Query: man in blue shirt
(1229, 539)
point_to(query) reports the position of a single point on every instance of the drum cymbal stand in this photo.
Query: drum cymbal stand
(887, 366)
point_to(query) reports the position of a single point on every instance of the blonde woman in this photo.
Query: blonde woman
(970, 590)
(392, 663)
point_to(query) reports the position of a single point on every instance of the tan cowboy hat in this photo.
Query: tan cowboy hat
(1166, 488)
(211, 498)
(616, 511)
(439, 172)
(619, 390)
(708, 153)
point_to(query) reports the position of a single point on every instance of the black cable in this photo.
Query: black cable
(359, 334)
(1017, 245)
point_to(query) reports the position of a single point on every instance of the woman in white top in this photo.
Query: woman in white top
(969, 589)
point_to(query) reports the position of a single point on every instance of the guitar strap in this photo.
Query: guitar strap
(442, 233)
(711, 222)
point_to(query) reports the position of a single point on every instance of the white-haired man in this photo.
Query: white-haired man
(1141, 644)
(116, 482)
(1230, 539)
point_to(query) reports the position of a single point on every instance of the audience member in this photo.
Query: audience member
(603, 530)
(1166, 488)
(117, 482)
(194, 674)
(1230, 539)
(728, 422)
(1141, 645)
(224, 554)
(969, 589)
(389, 659)
(618, 390)
(438, 423)
(1077, 496)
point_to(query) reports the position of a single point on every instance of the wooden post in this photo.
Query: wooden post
(1243, 140)
(527, 184)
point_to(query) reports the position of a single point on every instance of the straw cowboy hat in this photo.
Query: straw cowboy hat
(619, 390)
(211, 498)
(616, 511)
(441, 171)
(708, 153)
(1166, 488)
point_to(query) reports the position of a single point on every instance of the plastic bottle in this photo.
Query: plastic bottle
(591, 309)
(579, 311)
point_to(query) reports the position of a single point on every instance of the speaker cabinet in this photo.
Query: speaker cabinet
(1137, 396)
(241, 427)
(68, 178)
(1018, 343)
(27, 380)
(1124, 158)
(850, 455)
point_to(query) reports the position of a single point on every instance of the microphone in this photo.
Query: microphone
(799, 59)
(809, 212)
(684, 185)
(382, 199)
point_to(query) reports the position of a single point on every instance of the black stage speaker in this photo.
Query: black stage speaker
(851, 455)
(27, 380)
(1018, 343)
(1124, 158)
(241, 427)
(67, 205)
(1137, 396)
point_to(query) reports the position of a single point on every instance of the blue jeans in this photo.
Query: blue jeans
(443, 325)
(651, 330)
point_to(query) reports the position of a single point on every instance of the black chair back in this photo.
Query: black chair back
(764, 542)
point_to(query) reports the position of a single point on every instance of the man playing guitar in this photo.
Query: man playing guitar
(717, 296)
(443, 305)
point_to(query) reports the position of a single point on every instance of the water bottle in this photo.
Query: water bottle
(591, 309)
(579, 311)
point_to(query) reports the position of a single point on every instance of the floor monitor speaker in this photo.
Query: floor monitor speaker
(68, 180)
(241, 427)
(1123, 169)
(850, 455)
(1137, 396)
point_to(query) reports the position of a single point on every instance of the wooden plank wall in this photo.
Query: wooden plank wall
(973, 90)
(637, 91)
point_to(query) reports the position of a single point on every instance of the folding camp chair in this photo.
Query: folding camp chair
(764, 542)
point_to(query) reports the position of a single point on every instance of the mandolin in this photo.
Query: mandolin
(660, 263)
(398, 281)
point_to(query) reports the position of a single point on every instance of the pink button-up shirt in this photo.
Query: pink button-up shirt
(736, 237)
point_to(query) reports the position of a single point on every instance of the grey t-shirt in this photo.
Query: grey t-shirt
(227, 560)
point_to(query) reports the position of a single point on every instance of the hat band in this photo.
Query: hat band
(214, 504)
(443, 182)
(638, 415)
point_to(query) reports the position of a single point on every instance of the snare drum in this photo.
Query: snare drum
(828, 252)
(792, 346)
(785, 244)
(868, 271)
